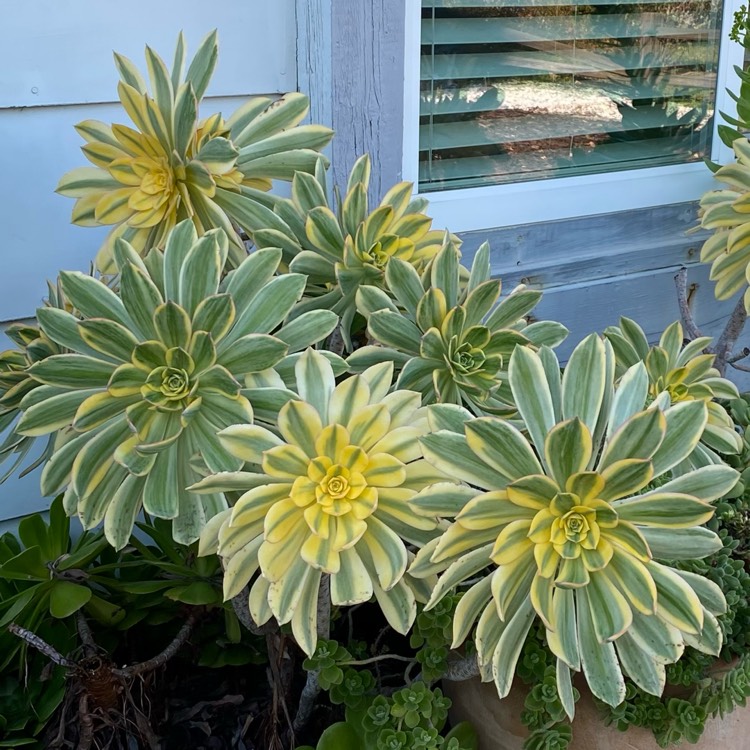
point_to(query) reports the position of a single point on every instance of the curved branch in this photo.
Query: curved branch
(41, 645)
(151, 664)
(729, 336)
(686, 313)
(239, 605)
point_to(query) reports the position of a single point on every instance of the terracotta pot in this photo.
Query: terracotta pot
(499, 727)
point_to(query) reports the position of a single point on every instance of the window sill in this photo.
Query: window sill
(493, 206)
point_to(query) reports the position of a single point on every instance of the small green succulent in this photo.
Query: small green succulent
(685, 373)
(152, 372)
(448, 333)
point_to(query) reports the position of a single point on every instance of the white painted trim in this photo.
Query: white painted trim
(552, 199)
(412, 37)
(730, 54)
(567, 197)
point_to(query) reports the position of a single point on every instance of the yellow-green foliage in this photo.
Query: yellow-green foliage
(685, 373)
(172, 166)
(451, 334)
(152, 372)
(727, 212)
(565, 515)
(341, 251)
(325, 492)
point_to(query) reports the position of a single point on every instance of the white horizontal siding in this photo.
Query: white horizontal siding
(57, 55)
(56, 69)
(38, 239)
(60, 51)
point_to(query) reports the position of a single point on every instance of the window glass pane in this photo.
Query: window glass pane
(529, 89)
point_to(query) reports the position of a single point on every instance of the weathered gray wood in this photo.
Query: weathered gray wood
(579, 249)
(368, 85)
(314, 75)
(597, 268)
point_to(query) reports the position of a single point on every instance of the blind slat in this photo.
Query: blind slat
(454, 100)
(452, 31)
(534, 127)
(567, 61)
(493, 4)
(625, 155)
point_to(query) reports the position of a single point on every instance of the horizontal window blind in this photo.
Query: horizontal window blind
(528, 89)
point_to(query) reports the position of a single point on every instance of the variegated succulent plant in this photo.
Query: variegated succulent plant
(569, 517)
(686, 373)
(173, 166)
(326, 493)
(153, 371)
(339, 252)
(448, 333)
(32, 346)
(15, 383)
(727, 212)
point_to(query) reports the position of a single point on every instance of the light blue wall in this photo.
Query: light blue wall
(56, 69)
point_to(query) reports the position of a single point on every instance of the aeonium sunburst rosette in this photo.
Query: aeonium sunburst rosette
(725, 211)
(687, 373)
(570, 518)
(153, 371)
(341, 247)
(325, 494)
(172, 166)
(448, 330)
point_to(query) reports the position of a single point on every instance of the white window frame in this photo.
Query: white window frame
(510, 204)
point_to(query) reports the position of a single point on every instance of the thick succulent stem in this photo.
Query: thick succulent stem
(686, 313)
(312, 685)
(335, 342)
(279, 677)
(729, 336)
(85, 723)
(462, 668)
(239, 605)
(41, 645)
(160, 659)
(85, 634)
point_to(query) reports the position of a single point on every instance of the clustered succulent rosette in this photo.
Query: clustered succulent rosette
(571, 519)
(685, 373)
(153, 371)
(448, 333)
(15, 383)
(325, 493)
(173, 166)
(727, 212)
(341, 251)
(32, 346)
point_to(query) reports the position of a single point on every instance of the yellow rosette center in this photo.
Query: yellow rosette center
(575, 525)
(339, 487)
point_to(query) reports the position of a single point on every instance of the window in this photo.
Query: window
(610, 103)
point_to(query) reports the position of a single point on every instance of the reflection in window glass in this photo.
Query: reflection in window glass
(529, 89)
